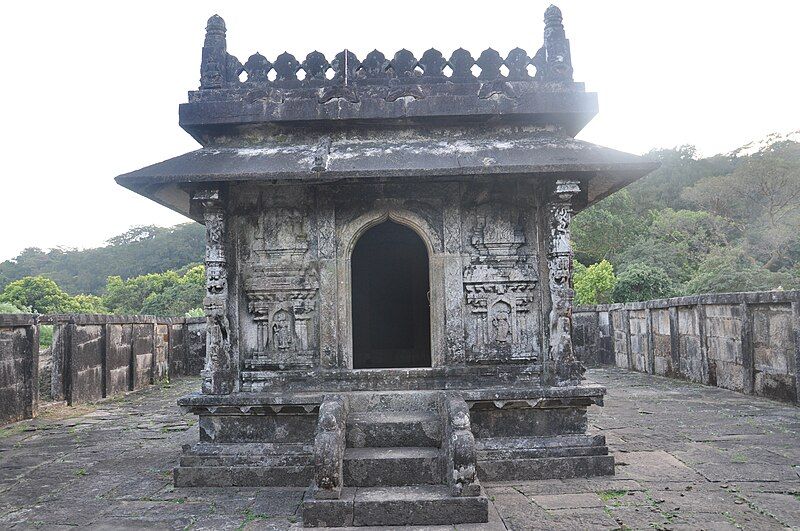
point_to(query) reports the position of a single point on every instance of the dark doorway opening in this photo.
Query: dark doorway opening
(391, 311)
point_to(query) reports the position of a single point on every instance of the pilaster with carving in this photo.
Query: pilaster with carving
(562, 367)
(217, 374)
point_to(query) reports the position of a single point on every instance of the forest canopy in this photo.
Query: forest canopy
(696, 225)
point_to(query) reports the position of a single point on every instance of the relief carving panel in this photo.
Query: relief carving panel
(502, 321)
(281, 285)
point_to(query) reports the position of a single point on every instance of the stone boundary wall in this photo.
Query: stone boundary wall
(19, 367)
(746, 342)
(93, 356)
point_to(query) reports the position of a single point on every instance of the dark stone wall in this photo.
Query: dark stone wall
(746, 342)
(119, 339)
(161, 356)
(195, 346)
(19, 367)
(86, 361)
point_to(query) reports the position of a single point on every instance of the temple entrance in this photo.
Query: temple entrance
(391, 311)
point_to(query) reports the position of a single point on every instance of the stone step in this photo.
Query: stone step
(394, 428)
(393, 401)
(377, 506)
(392, 466)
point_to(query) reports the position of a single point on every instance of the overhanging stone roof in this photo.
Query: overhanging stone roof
(388, 118)
(315, 158)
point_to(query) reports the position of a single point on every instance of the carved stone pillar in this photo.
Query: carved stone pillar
(217, 374)
(562, 367)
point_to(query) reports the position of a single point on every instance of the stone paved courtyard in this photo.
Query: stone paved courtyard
(688, 457)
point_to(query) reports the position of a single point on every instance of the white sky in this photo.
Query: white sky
(91, 89)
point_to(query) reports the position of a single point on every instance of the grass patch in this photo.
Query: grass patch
(738, 458)
(608, 495)
(250, 516)
(13, 430)
(81, 472)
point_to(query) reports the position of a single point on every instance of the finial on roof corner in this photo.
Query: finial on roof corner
(215, 22)
(553, 61)
(214, 64)
(552, 13)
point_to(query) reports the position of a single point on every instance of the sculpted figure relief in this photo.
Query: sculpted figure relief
(282, 330)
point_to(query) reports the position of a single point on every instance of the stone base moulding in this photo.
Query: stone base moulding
(393, 457)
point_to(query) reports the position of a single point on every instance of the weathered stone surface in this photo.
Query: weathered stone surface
(371, 467)
(118, 358)
(87, 359)
(329, 512)
(142, 355)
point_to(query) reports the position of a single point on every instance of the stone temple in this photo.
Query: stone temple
(389, 274)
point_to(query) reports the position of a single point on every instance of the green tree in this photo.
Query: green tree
(677, 241)
(594, 284)
(139, 251)
(128, 296)
(607, 228)
(166, 294)
(732, 270)
(180, 298)
(40, 294)
(87, 304)
(641, 282)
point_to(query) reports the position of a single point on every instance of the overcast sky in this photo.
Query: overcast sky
(91, 89)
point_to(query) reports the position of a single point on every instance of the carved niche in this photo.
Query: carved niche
(499, 285)
(281, 285)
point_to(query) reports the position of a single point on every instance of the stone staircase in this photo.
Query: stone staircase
(389, 461)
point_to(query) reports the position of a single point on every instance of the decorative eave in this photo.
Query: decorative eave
(323, 159)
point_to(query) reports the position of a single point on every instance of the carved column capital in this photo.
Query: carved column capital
(561, 367)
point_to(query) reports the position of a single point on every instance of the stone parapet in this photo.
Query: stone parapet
(93, 356)
(747, 342)
(19, 367)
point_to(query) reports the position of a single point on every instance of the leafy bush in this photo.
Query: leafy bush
(641, 282)
(594, 284)
(7, 307)
(164, 294)
(733, 270)
(45, 336)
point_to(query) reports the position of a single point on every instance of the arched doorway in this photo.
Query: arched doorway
(391, 310)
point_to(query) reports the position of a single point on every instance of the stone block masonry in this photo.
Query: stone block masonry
(746, 342)
(94, 356)
(19, 367)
